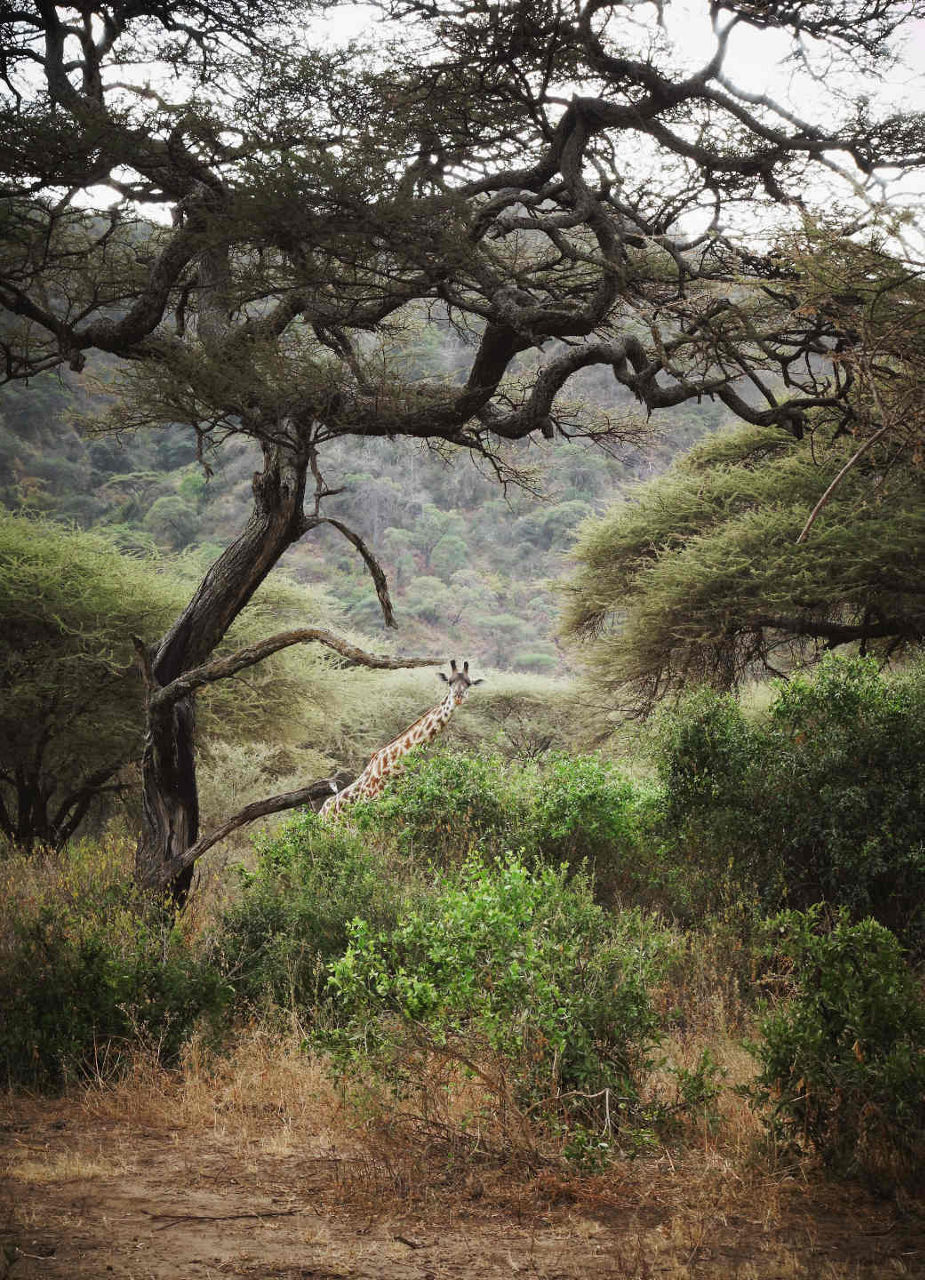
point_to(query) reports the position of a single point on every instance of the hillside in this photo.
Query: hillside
(471, 562)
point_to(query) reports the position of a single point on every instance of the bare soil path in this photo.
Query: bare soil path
(88, 1196)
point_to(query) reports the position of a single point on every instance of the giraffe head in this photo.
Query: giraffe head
(459, 682)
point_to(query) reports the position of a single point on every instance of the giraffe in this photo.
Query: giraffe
(385, 762)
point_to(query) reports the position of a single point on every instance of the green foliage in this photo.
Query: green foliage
(583, 811)
(843, 1061)
(823, 798)
(172, 521)
(90, 972)
(553, 526)
(445, 804)
(543, 661)
(294, 911)
(522, 718)
(573, 811)
(701, 577)
(849, 748)
(708, 813)
(71, 714)
(450, 553)
(71, 710)
(428, 599)
(515, 974)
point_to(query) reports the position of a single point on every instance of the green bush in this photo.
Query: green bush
(573, 809)
(516, 975)
(90, 972)
(823, 798)
(709, 816)
(583, 811)
(294, 912)
(846, 756)
(445, 804)
(843, 1061)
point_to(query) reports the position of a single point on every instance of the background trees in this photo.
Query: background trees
(70, 714)
(554, 181)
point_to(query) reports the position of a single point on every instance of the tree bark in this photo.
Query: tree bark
(170, 802)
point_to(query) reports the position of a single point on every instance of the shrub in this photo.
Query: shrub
(294, 912)
(445, 804)
(846, 781)
(90, 972)
(843, 1061)
(709, 815)
(584, 812)
(516, 976)
(821, 799)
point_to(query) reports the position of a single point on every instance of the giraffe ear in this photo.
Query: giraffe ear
(442, 677)
(481, 680)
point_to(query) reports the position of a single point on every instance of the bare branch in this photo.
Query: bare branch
(849, 465)
(375, 568)
(312, 795)
(222, 668)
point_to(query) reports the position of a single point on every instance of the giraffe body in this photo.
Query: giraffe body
(386, 762)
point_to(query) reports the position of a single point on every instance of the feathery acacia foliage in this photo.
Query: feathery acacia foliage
(71, 715)
(702, 579)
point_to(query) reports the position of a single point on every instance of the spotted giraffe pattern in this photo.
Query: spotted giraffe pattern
(386, 762)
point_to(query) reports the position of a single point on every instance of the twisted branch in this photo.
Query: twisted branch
(250, 655)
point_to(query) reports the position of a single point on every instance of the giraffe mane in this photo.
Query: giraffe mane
(400, 737)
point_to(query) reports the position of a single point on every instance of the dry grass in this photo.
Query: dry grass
(60, 1166)
(269, 1095)
(265, 1093)
(65, 880)
(263, 1128)
(259, 1151)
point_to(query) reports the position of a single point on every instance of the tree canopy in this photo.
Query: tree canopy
(700, 578)
(315, 194)
(759, 551)
(70, 714)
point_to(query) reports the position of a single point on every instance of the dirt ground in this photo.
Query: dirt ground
(91, 1193)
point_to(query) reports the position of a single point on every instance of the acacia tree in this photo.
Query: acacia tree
(70, 713)
(701, 577)
(315, 197)
(760, 551)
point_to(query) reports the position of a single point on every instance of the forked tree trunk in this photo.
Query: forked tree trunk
(170, 804)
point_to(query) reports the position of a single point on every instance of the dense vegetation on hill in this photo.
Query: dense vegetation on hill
(470, 565)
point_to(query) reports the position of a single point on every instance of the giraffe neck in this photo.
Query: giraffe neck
(386, 762)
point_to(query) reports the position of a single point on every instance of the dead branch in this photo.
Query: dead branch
(222, 668)
(310, 795)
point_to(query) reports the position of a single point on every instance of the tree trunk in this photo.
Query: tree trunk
(170, 804)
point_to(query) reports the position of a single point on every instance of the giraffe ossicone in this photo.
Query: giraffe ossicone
(386, 762)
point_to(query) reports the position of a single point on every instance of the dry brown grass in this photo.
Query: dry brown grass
(258, 1153)
(265, 1092)
(60, 1166)
(268, 1094)
(262, 1131)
